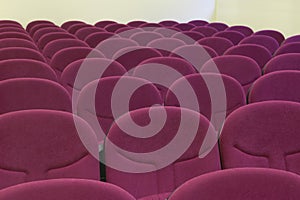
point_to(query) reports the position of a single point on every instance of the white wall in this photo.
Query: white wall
(94, 10)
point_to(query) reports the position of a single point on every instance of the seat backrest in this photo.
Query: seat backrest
(143, 38)
(44, 144)
(94, 39)
(131, 57)
(25, 68)
(136, 23)
(288, 48)
(33, 93)
(278, 85)
(86, 31)
(218, 25)
(67, 24)
(198, 22)
(185, 26)
(220, 45)
(49, 37)
(20, 53)
(206, 31)
(163, 71)
(114, 27)
(75, 27)
(17, 42)
(106, 99)
(168, 23)
(127, 32)
(247, 31)
(263, 134)
(213, 95)
(12, 29)
(289, 61)
(195, 54)
(292, 39)
(56, 45)
(39, 26)
(236, 184)
(64, 57)
(234, 36)
(104, 23)
(257, 52)
(31, 24)
(188, 37)
(270, 43)
(243, 69)
(279, 37)
(61, 189)
(141, 155)
(165, 45)
(42, 31)
(18, 35)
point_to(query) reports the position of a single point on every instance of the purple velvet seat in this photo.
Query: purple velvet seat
(197, 55)
(49, 37)
(218, 25)
(38, 34)
(219, 44)
(206, 31)
(110, 104)
(111, 46)
(263, 134)
(143, 38)
(278, 85)
(67, 24)
(86, 31)
(184, 26)
(18, 35)
(168, 23)
(12, 22)
(234, 36)
(62, 189)
(146, 166)
(213, 95)
(247, 31)
(16, 42)
(96, 38)
(279, 37)
(39, 26)
(257, 52)
(25, 68)
(20, 53)
(165, 45)
(245, 70)
(198, 22)
(166, 31)
(44, 144)
(164, 70)
(266, 41)
(6, 25)
(150, 25)
(33, 93)
(127, 32)
(131, 57)
(114, 27)
(75, 27)
(12, 29)
(104, 23)
(90, 69)
(34, 23)
(56, 45)
(136, 23)
(292, 39)
(237, 184)
(188, 37)
(64, 57)
(288, 48)
(289, 61)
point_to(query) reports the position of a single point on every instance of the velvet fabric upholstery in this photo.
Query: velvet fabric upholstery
(104, 23)
(44, 144)
(234, 36)
(127, 32)
(31, 24)
(245, 70)
(206, 31)
(96, 38)
(292, 39)
(210, 91)
(64, 57)
(143, 38)
(184, 26)
(17, 42)
(56, 45)
(136, 23)
(220, 45)
(237, 184)
(20, 53)
(168, 23)
(114, 27)
(289, 61)
(33, 93)
(188, 37)
(218, 25)
(75, 27)
(67, 24)
(278, 85)
(86, 31)
(165, 45)
(38, 34)
(288, 48)
(263, 134)
(25, 68)
(270, 43)
(257, 52)
(279, 37)
(247, 31)
(49, 37)
(19, 35)
(158, 183)
(39, 26)
(105, 111)
(198, 22)
(12, 29)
